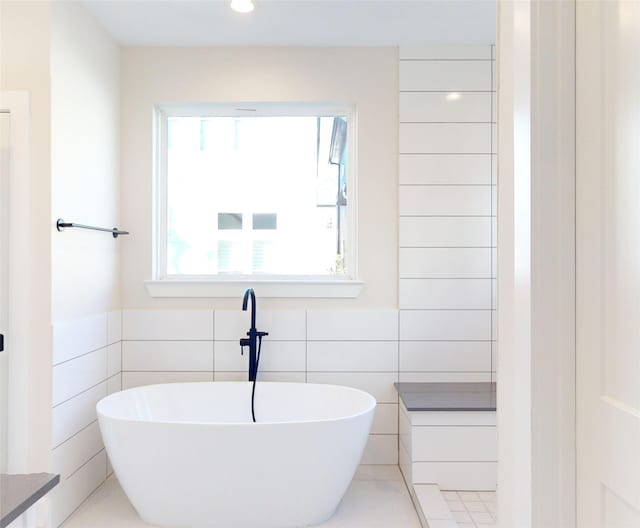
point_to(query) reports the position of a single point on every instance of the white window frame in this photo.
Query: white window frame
(318, 286)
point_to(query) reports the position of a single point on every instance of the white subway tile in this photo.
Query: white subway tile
(347, 325)
(232, 376)
(457, 475)
(444, 294)
(295, 377)
(378, 384)
(114, 326)
(114, 358)
(445, 356)
(445, 232)
(167, 325)
(352, 356)
(75, 414)
(444, 52)
(445, 325)
(445, 107)
(77, 375)
(381, 449)
(445, 76)
(289, 377)
(445, 200)
(167, 355)
(276, 356)
(114, 383)
(445, 138)
(78, 336)
(69, 456)
(454, 263)
(137, 379)
(70, 493)
(464, 443)
(445, 169)
(385, 419)
(282, 325)
(445, 377)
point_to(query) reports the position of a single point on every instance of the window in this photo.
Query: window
(265, 191)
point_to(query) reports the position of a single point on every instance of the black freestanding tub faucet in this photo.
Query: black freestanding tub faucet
(254, 341)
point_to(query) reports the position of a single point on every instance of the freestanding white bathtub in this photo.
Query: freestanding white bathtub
(188, 455)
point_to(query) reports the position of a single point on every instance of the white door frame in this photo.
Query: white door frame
(536, 259)
(19, 330)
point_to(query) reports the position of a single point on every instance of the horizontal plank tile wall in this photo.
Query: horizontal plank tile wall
(87, 360)
(447, 208)
(357, 348)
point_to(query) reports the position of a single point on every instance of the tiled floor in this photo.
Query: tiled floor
(377, 498)
(472, 509)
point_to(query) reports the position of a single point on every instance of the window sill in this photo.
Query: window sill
(301, 288)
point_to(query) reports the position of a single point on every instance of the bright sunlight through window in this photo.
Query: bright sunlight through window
(246, 192)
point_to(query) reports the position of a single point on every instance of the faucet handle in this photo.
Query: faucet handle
(243, 343)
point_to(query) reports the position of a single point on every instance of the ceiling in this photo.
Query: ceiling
(298, 22)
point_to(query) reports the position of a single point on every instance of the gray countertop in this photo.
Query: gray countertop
(19, 492)
(448, 396)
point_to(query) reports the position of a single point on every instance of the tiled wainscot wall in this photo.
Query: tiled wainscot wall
(447, 193)
(87, 358)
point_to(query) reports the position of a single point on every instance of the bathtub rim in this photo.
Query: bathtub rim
(370, 407)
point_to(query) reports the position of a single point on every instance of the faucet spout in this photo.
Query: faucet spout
(245, 301)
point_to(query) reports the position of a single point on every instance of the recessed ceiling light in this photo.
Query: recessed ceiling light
(453, 96)
(242, 6)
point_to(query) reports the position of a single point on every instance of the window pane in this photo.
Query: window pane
(286, 176)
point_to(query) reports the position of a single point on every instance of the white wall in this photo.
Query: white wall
(364, 76)
(24, 66)
(85, 277)
(447, 208)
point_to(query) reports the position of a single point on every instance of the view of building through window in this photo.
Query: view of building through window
(257, 195)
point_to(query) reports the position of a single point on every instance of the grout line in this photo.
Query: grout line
(81, 355)
(491, 227)
(81, 392)
(73, 435)
(85, 463)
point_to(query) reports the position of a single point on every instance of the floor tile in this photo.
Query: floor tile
(487, 496)
(450, 495)
(475, 506)
(456, 506)
(443, 524)
(377, 499)
(479, 517)
(431, 501)
(462, 517)
(469, 496)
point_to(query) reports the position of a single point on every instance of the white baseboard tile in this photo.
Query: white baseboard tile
(381, 449)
